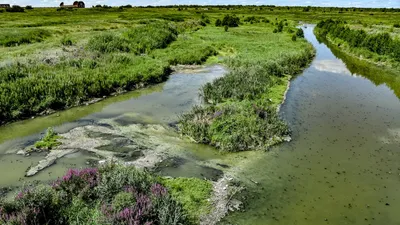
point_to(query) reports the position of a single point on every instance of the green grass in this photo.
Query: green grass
(17, 36)
(49, 140)
(194, 194)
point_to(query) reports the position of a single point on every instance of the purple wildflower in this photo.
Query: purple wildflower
(158, 190)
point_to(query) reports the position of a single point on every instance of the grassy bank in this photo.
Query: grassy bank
(105, 63)
(240, 113)
(111, 194)
(376, 46)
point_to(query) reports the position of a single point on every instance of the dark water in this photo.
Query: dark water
(343, 165)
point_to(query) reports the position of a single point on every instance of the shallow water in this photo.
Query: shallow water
(159, 104)
(343, 164)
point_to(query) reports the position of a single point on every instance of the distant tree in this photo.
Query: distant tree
(231, 21)
(15, 8)
(28, 7)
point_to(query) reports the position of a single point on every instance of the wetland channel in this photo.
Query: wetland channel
(341, 167)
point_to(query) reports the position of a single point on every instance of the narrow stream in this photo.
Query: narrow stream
(343, 165)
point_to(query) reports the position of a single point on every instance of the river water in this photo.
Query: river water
(343, 164)
(159, 104)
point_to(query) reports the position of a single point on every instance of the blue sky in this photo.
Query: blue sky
(344, 3)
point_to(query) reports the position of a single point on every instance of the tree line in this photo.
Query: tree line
(380, 43)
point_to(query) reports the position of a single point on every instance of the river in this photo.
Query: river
(341, 167)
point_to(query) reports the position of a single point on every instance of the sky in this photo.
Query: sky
(328, 3)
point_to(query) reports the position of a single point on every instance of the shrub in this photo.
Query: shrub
(218, 23)
(15, 8)
(141, 202)
(40, 205)
(226, 28)
(123, 200)
(396, 25)
(230, 21)
(294, 38)
(300, 33)
(29, 7)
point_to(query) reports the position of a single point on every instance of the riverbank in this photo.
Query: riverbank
(100, 65)
(376, 46)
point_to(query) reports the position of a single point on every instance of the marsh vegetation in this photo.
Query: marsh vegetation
(54, 64)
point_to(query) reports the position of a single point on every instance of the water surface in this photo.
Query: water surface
(343, 165)
(160, 104)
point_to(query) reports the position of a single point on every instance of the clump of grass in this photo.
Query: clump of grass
(152, 36)
(234, 126)
(66, 41)
(109, 42)
(139, 40)
(13, 37)
(193, 193)
(49, 140)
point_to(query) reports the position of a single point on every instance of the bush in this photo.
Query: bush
(15, 8)
(40, 205)
(230, 21)
(300, 33)
(396, 25)
(218, 23)
(133, 201)
(294, 38)
(29, 7)
(226, 28)
(123, 200)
